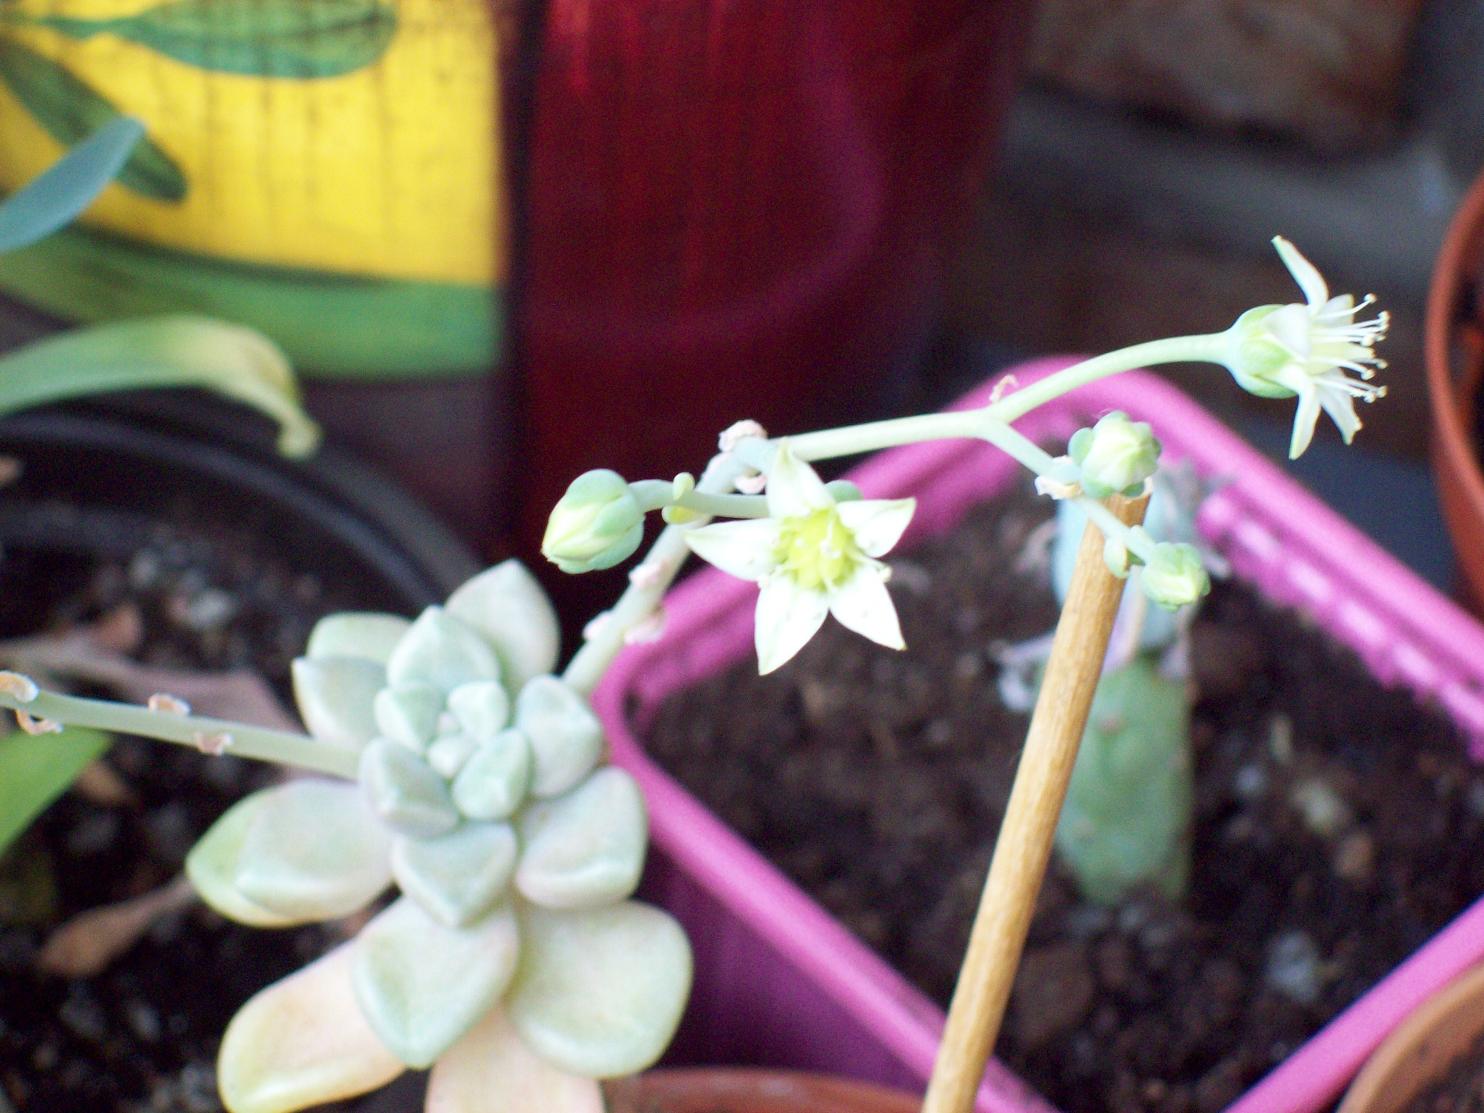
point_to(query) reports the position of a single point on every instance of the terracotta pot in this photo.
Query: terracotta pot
(716, 1090)
(1454, 351)
(1421, 1050)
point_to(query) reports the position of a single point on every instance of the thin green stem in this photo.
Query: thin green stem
(648, 583)
(875, 435)
(1112, 526)
(238, 739)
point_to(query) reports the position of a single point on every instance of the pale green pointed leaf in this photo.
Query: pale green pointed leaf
(36, 769)
(405, 791)
(508, 606)
(161, 352)
(599, 992)
(302, 1042)
(67, 187)
(211, 866)
(313, 851)
(336, 698)
(494, 780)
(441, 651)
(491, 1069)
(566, 737)
(365, 634)
(422, 985)
(408, 714)
(586, 847)
(482, 708)
(459, 876)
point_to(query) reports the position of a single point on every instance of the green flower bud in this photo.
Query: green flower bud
(1254, 354)
(1174, 576)
(1115, 455)
(842, 490)
(597, 523)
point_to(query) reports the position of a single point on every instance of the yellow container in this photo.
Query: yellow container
(327, 170)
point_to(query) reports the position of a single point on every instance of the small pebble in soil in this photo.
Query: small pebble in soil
(1294, 967)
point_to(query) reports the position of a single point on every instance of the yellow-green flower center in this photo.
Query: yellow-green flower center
(817, 550)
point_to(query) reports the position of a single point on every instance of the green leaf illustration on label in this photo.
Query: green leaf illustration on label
(264, 38)
(70, 110)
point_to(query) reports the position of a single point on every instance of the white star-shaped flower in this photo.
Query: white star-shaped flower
(812, 556)
(1310, 350)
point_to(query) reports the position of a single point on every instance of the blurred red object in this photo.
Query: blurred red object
(738, 208)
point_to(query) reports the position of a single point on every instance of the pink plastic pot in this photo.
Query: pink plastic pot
(779, 982)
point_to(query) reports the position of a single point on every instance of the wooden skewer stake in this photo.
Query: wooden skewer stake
(1024, 845)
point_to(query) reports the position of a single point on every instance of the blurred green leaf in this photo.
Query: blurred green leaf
(35, 770)
(159, 352)
(70, 110)
(68, 186)
(264, 38)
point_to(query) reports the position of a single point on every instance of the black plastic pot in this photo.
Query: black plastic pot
(124, 468)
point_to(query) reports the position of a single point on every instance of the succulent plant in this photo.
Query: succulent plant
(482, 795)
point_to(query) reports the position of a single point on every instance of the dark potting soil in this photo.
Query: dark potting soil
(1337, 825)
(1461, 1090)
(142, 1036)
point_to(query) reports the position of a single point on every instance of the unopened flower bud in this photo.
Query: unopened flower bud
(597, 523)
(1115, 456)
(842, 490)
(1174, 575)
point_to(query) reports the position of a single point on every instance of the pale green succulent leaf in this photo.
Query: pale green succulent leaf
(482, 708)
(449, 752)
(405, 791)
(408, 714)
(566, 737)
(442, 651)
(494, 780)
(586, 847)
(302, 1042)
(211, 866)
(599, 992)
(457, 877)
(365, 634)
(313, 851)
(335, 697)
(491, 1068)
(422, 985)
(508, 606)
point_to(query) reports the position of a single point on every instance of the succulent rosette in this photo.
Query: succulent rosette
(513, 963)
